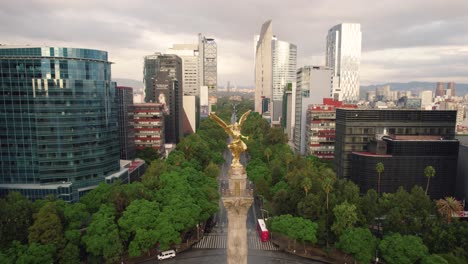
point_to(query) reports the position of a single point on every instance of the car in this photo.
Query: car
(166, 254)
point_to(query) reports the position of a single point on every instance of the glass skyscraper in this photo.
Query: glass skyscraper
(275, 67)
(344, 57)
(284, 72)
(58, 132)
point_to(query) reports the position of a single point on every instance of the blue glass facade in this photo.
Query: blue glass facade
(58, 132)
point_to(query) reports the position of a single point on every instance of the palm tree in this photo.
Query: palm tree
(306, 184)
(267, 153)
(327, 186)
(449, 207)
(379, 168)
(429, 172)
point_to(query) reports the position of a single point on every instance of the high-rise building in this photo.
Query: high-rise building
(343, 55)
(58, 115)
(189, 55)
(451, 88)
(426, 98)
(208, 63)
(263, 66)
(164, 87)
(405, 159)
(148, 123)
(284, 72)
(275, 67)
(440, 90)
(355, 128)
(312, 85)
(320, 128)
(125, 118)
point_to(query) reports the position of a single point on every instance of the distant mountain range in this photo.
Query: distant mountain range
(415, 87)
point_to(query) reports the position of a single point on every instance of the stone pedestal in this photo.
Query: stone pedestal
(237, 201)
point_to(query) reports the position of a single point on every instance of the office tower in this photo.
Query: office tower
(440, 90)
(148, 123)
(451, 88)
(289, 104)
(343, 55)
(426, 98)
(208, 63)
(189, 55)
(263, 66)
(405, 158)
(312, 85)
(355, 128)
(164, 87)
(58, 132)
(284, 72)
(275, 67)
(124, 97)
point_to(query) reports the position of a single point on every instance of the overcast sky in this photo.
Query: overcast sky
(403, 40)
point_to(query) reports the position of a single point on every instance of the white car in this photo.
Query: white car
(166, 254)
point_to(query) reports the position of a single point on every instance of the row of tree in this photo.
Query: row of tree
(113, 221)
(307, 187)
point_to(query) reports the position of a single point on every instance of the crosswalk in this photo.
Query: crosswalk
(220, 241)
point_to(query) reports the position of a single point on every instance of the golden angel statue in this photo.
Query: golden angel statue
(237, 146)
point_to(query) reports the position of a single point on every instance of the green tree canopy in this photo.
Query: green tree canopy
(359, 242)
(102, 235)
(398, 249)
(345, 217)
(47, 228)
(16, 213)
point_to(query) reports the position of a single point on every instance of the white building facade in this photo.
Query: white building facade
(343, 55)
(313, 84)
(189, 55)
(275, 67)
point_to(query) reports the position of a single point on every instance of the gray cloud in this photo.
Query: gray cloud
(143, 27)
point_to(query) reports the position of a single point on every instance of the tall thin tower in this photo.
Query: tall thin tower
(344, 57)
(263, 66)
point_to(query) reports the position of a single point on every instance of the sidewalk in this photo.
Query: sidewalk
(312, 252)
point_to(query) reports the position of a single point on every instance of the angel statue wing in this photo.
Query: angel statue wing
(221, 123)
(244, 117)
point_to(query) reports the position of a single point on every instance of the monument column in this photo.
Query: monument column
(237, 198)
(237, 201)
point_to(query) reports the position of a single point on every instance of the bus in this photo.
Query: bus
(262, 230)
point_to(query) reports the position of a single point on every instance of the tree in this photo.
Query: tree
(268, 153)
(16, 216)
(102, 235)
(151, 177)
(295, 228)
(380, 169)
(47, 228)
(345, 217)
(434, 259)
(37, 254)
(398, 249)
(449, 207)
(359, 242)
(429, 172)
(212, 170)
(138, 224)
(306, 184)
(70, 254)
(327, 187)
(148, 154)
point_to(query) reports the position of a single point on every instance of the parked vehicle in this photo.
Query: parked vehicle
(166, 254)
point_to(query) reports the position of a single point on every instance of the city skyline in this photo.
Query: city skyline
(400, 41)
